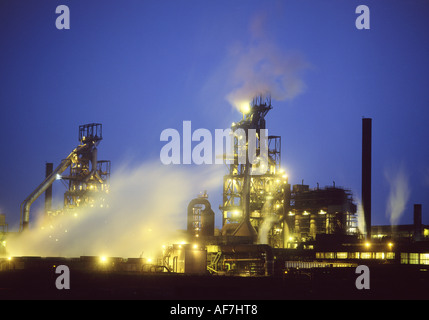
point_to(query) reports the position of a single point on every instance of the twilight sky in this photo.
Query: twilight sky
(139, 67)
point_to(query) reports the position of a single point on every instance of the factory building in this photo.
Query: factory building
(330, 210)
(269, 225)
(266, 207)
(412, 232)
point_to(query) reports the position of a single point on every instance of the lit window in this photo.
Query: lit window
(404, 258)
(379, 255)
(414, 258)
(353, 255)
(365, 255)
(424, 258)
(390, 255)
(341, 255)
(329, 255)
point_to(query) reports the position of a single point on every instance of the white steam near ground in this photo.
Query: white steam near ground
(147, 209)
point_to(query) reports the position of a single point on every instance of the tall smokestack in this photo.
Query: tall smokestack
(418, 222)
(366, 173)
(48, 192)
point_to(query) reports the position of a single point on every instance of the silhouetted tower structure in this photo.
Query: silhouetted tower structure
(88, 178)
(366, 173)
(254, 192)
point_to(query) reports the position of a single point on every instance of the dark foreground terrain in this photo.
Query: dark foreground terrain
(386, 282)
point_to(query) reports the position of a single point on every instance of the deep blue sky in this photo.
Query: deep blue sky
(139, 67)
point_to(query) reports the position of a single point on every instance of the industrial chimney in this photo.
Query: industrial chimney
(418, 228)
(48, 192)
(366, 173)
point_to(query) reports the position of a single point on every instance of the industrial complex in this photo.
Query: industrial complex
(271, 230)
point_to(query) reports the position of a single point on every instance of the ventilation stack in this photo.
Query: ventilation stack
(418, 227)
(366, 173)
(48, 192)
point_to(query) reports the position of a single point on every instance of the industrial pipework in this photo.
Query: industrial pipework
(89, 136)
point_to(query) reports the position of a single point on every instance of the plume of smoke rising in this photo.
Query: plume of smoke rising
(265, 227)
(360, 215)
(263, 67)
(147, 208)
(269, 220)
(399, 193)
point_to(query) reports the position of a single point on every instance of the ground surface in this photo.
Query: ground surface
(334, 283)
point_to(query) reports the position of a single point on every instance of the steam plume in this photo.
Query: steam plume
(147, 207)
(399, 194)
(265, 228)
(263, 67)
(269, 220)
(360, 215)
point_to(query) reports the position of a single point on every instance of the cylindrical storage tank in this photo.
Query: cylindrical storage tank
(202, 224)
(207, 222)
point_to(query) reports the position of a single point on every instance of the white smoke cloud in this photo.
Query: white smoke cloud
(263, 67)
(147, 208)
(265, 228)
(360, 214)
(398, 195)
(269, 219)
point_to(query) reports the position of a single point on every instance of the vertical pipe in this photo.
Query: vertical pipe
(313, 228)
(417, 222)
(48, 192)
(366, 173)
(297, 227)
